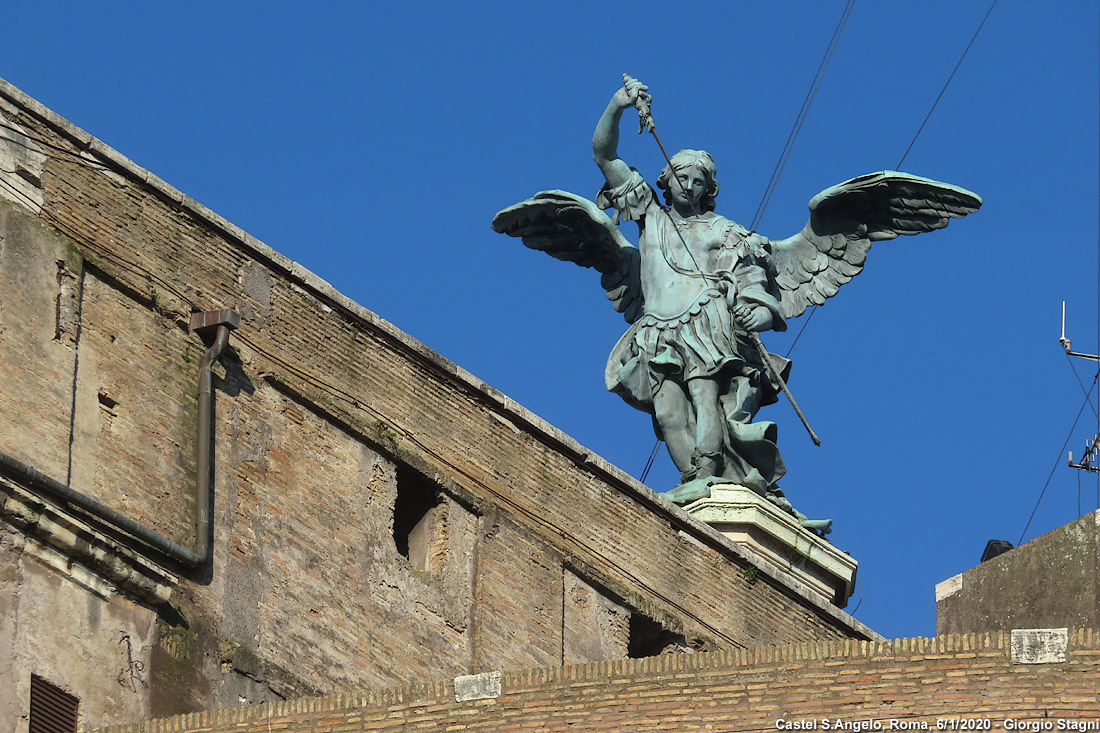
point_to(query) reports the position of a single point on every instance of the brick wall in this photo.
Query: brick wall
(898, 685)
(321, 409)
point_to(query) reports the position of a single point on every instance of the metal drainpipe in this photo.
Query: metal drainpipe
(223, 321)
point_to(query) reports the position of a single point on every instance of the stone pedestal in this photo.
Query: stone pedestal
(749, 519)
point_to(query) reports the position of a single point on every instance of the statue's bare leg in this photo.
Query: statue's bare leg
(707, 453)
(690, 418)
(673, 411)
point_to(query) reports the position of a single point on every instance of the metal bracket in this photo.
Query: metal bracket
(212, 319)
(1066, 342)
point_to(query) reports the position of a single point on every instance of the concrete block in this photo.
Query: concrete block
(1047, 583)
(484, 686)
(949, 587)
(1039, 646)
(21, 168)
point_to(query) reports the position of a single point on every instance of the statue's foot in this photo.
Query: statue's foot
(820, 526)
(693, 490)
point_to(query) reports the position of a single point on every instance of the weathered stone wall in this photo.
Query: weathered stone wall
(65, 625)
(1051, 581)
(965, 682)
(379, 515)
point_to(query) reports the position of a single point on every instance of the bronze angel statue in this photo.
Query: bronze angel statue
(699, 286)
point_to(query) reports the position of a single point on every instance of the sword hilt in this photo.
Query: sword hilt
(642, 103)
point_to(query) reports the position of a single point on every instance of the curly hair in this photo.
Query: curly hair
(702, 160)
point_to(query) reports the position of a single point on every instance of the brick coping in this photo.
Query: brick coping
(990, 644)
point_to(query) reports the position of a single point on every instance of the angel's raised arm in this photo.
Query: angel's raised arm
(605, 140)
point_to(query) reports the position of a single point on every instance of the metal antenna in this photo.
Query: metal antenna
(1066, 342)
(1092, 447)
(1086, 463)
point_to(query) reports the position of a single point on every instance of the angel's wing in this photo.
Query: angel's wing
(572, 228)
(845, 219)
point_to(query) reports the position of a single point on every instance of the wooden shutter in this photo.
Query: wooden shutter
(52, 709)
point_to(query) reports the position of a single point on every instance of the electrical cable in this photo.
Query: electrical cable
(30, 202)
(340, 394)
(801, 117)
(799, 335)
(133, 268)
(60, 224)
(859, 582)
(1078, 493)
(1083, 390)
(1088, 394)
(898, 167)
(1057, 460)
(649, 463)
(957, 65)
(76, 157)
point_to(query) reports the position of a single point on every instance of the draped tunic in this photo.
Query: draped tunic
(693, 271)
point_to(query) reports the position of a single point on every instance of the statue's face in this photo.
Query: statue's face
(693, 184)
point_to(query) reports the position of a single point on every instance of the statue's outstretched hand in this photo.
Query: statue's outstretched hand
(630, 92)
(752, 319)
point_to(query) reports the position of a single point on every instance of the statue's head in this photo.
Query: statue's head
(701, 161)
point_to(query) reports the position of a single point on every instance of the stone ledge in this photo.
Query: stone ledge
(484, 686)
(86, 556)
(1083, 643)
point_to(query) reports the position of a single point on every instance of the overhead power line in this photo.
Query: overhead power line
(1083, 390)
(945, 85)
(801, 117)
(1058, 460)
(906, 155)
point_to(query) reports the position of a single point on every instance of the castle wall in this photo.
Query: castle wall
(379, 515)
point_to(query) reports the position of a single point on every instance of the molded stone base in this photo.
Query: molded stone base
(749, 519)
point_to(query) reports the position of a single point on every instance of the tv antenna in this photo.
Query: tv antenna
(1066, 342)
(1092, 447)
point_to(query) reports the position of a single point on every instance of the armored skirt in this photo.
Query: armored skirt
(704, 341)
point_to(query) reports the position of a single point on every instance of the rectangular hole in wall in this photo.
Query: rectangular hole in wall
(419, 521)
(52, 709)
(649, 638)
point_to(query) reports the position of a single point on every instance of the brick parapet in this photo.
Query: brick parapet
(910, 679)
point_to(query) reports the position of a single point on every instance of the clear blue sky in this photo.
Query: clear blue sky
(373, 142)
